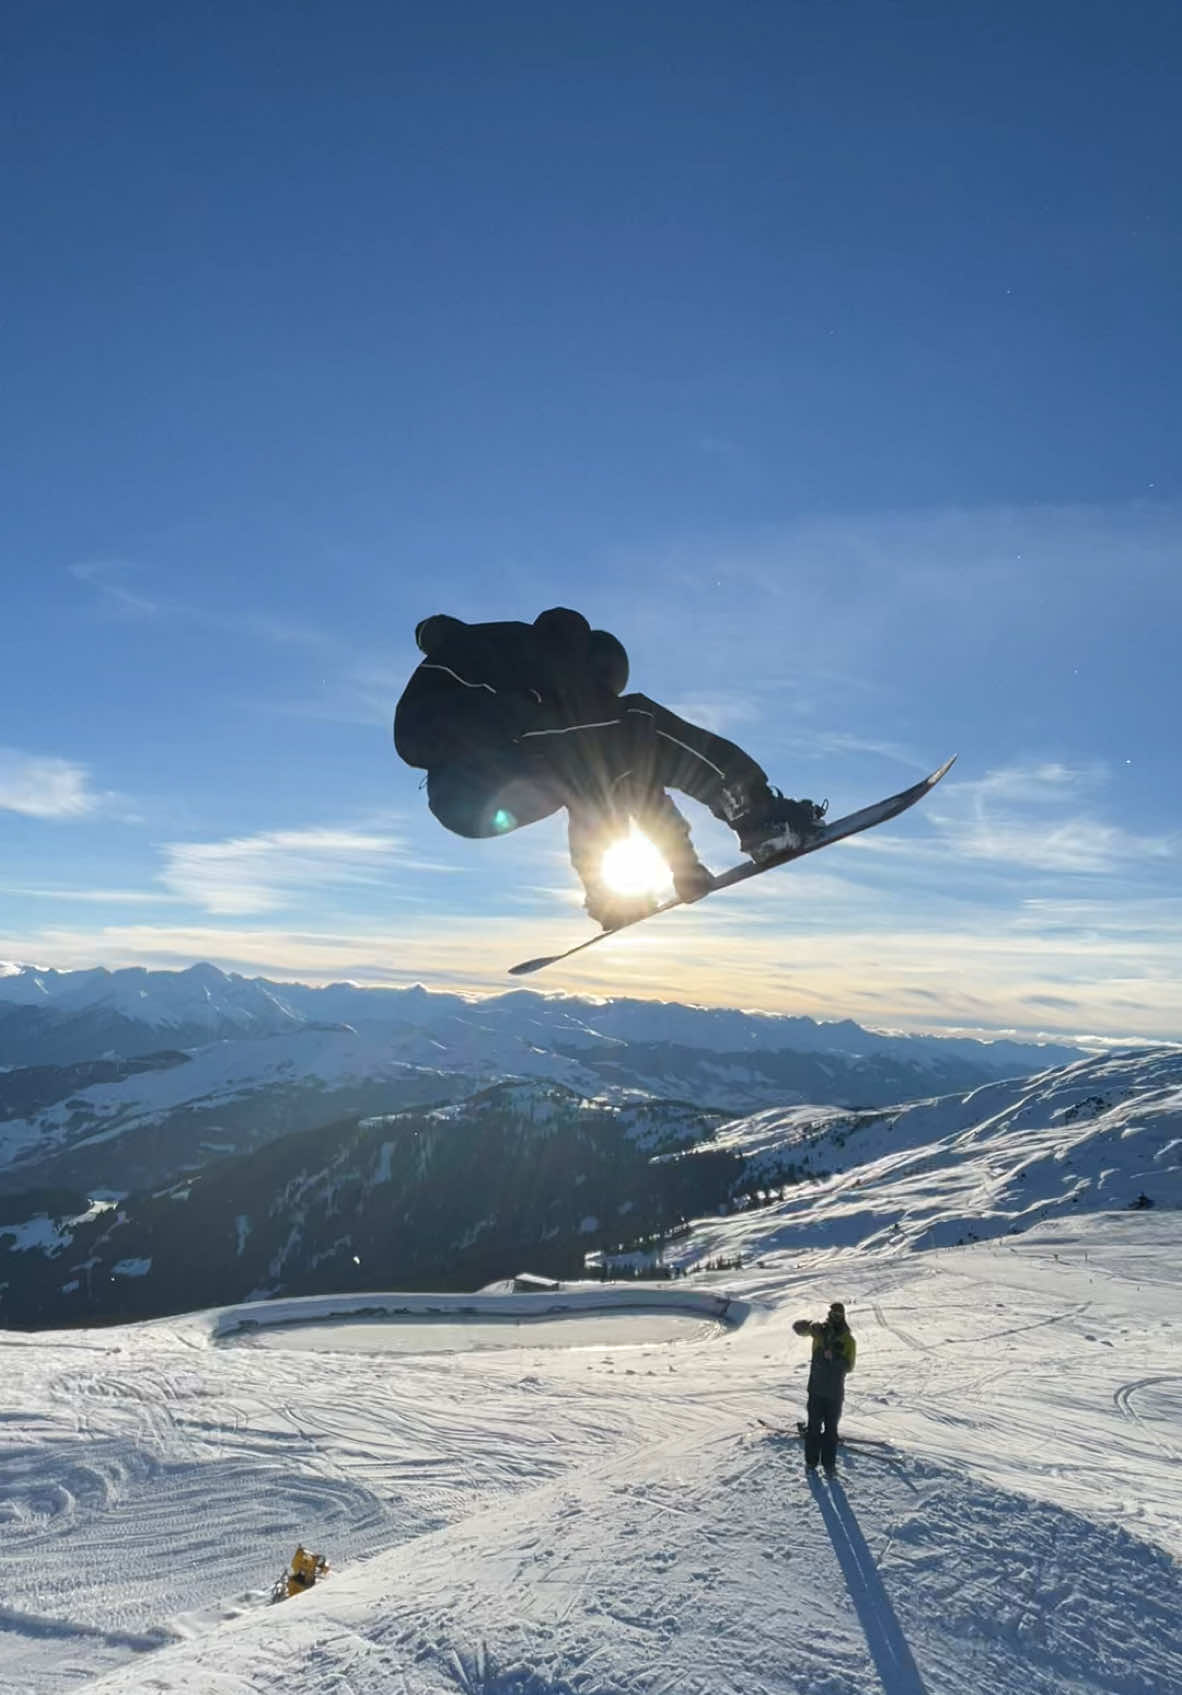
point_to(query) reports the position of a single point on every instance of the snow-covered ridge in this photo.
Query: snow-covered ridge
(1100, 1135)
(290, 1081)
(244, 1060)
(204, 996)
(205, 1079)
(542, 1102)
(624, 1179)
(165, 999)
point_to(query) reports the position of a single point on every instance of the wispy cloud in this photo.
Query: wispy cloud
(720, 712)
(844, 742)
(956, 977)
(93, 897)
(358, 691)
(42, 787)
(110, 578)
(1037, 816)
(832, 614)
(726, 449)
(261, 873)
(113, 581)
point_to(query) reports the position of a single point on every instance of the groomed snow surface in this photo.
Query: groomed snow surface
(605, 1514)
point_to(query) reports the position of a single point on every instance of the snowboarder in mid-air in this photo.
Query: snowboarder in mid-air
(514, 721)
(834, 1352)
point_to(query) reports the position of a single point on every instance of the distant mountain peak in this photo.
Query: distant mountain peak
(211, 1001)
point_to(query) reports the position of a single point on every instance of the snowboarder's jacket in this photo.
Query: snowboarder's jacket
(483, 684)
(834, 1352)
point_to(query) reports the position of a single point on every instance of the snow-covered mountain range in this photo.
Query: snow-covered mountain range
(532, 1172)
(132, 1078)
(448, 1196)
(42, 1009)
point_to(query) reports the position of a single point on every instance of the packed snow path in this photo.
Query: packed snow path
(612, 1519)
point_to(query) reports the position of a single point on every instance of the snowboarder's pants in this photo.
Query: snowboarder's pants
(610, 763)
(820, 1436)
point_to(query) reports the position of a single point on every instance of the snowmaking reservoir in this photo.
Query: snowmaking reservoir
(414, 1335)
(441, 1324)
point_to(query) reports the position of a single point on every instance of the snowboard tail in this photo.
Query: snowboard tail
(836, 831)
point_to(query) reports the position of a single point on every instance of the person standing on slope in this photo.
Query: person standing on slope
(834, 1352)
(514, 721)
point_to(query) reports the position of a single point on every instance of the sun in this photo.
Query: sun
(632, 866)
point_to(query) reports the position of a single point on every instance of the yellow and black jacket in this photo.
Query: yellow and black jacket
(834, 1353)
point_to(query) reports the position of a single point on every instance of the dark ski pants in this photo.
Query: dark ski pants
(820, 1437)
(623, 754)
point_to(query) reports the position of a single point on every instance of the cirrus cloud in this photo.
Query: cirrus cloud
(264, 872)
(42, 787)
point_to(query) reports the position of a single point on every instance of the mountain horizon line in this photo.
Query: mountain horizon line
(34, 984)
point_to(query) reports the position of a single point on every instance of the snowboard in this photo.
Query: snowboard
(836, 831)
(800, 1428)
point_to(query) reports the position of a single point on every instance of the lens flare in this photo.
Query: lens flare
(632, 866)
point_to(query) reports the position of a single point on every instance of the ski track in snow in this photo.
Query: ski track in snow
(611, 1519)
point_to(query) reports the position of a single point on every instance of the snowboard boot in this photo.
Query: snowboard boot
(767, 822)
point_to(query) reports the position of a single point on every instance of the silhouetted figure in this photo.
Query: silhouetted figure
(513, 721)
(834, 1352)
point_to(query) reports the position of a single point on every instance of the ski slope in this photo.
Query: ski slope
(1097, 1135)
(607, 1517)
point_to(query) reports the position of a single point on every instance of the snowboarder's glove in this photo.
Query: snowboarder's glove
(692, 879)
(611, 910)
(803, 1326)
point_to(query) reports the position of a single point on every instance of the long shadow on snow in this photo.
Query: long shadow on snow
(884, 1634)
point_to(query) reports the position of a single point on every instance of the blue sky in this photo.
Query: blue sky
(829, 354)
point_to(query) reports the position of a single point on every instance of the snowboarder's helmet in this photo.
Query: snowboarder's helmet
(608, 660)
(562, 627)
(430, 632)
(836, 1309)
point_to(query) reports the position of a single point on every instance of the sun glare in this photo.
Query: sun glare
(632, 866)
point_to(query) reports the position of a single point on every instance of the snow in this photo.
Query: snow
(274, 1037)
(39, 1232)
(201, 994)
(43, 1234)
(213, 1076)
(472, 1025)
(570, 1491)
(1004, 1158)
(610, 1518)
